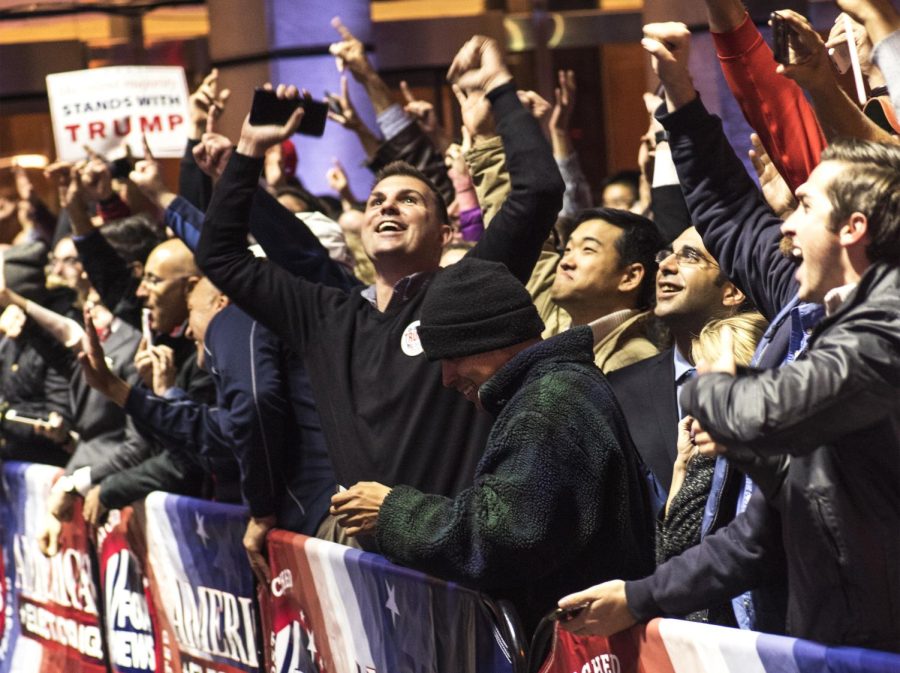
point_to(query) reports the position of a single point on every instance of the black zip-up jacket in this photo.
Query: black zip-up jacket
(385, 414)
(834, 416)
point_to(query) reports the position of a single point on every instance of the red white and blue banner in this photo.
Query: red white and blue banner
(50, 621)
(130, 616)
(677, 646)
(338, 609)
(177, 596)
(202, 586)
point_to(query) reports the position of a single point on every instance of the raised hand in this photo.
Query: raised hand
(347, 117)
(255, 140)
(350, 53)
(564, 95)
(212, 154)
(96, 177)
(476, 113)
(479, 66)
(809, 64)
(774, 187)
(669, 46)
(147, 177)
(93, 364)
(206, 103)
(538, 106)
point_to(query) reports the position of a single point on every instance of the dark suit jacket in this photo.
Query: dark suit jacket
(646, 393)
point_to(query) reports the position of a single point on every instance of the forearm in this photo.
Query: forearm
(193, 184)
(379, 92)
(724, 15)
(887, 57)
(743, 555)
(736, 224)
(774, 106)
(577, 196)
(487, 166)
(841, 117)
(164, 472)
(526, 217)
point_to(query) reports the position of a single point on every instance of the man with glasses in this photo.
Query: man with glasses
(690, 291)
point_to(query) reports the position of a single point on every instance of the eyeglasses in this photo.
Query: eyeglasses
(685, 257)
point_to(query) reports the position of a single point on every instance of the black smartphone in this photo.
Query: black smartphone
(781, 39)
(268, 108)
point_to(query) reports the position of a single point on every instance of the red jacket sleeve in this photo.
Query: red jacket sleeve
(772, 104)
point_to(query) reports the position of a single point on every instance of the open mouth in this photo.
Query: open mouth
(389, 227)
(666, 289)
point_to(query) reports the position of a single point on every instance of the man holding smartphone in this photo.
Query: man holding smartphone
(384, 412)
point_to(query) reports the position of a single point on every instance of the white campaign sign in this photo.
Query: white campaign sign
(104, 107)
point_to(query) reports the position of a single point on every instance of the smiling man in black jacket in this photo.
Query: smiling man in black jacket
(384, 412)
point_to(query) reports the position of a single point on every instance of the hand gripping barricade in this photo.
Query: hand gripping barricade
(165, 587)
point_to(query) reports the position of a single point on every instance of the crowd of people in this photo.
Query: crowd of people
(682, 399)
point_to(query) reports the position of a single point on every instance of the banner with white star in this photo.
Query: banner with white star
(201, 584)
(337, 609)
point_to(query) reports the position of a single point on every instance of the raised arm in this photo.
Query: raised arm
(291, 307)
(524, 221)
(736, 224)
(773, 105)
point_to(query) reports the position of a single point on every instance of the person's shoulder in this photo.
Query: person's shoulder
(641, 369)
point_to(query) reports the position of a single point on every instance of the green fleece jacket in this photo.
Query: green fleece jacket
(558, 502)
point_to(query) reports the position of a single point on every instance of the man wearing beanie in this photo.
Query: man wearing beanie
(558, 495)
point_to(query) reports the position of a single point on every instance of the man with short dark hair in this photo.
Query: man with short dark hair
(559, 494)
(383, 410)
(606, 278)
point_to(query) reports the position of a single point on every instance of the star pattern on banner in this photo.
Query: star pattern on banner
(201, 528)
(391, 604)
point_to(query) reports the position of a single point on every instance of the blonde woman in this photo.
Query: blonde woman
(692, 473)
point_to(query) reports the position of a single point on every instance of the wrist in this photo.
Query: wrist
(250, 148)
(117, 390)
(497, 81)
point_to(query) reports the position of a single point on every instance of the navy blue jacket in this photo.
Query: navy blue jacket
(263, 406)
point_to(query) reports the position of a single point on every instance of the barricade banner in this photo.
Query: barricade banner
(102, 108)
(202, 585)
(50, 618)
(677, 646)
(336, 609)
(130, 617)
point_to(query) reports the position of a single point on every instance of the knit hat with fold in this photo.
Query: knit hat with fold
(476, 306)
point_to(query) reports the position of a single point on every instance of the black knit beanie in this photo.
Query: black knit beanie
(23, 270)
(476, 306)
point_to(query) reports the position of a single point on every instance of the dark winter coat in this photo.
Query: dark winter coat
(558, 503)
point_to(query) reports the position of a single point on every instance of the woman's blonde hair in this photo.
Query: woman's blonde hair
(746, 328)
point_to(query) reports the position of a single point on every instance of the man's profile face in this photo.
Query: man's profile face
(163, 290)
(466, 374)
(688, 288)
(815, 247)
(203, 303)
(590, 265)
(401, 221)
